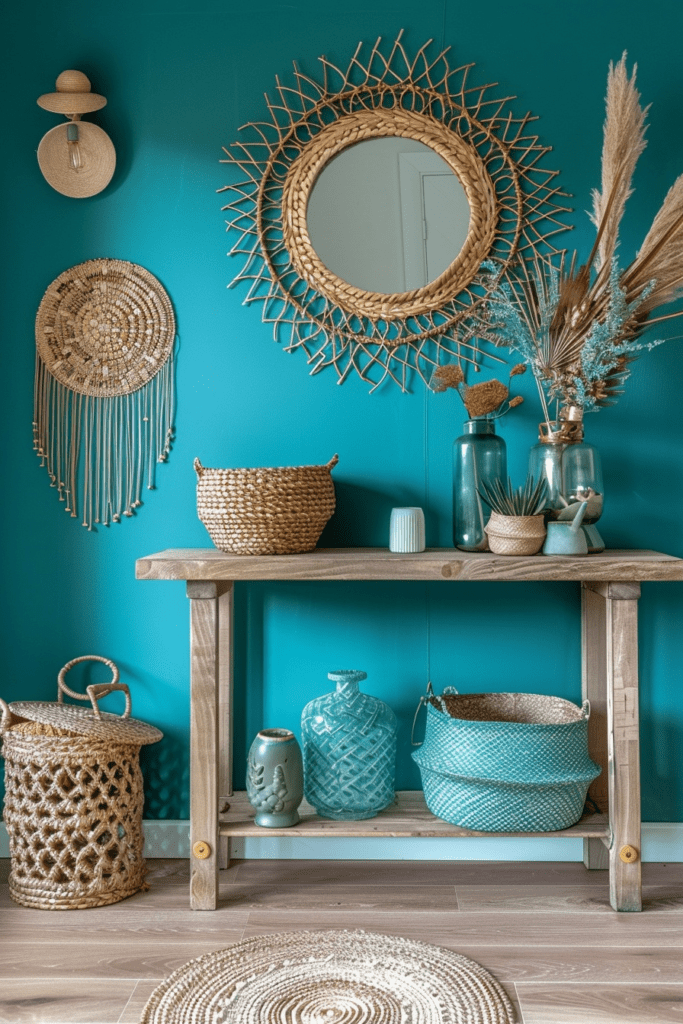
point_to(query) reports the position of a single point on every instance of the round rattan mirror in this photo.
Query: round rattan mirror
(388, 215)
(513, 210)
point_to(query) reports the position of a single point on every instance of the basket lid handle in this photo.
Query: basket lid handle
(96, 690)
(424, 699)
(7, 716)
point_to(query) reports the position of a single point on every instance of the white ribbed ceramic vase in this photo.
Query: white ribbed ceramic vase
(407, 529)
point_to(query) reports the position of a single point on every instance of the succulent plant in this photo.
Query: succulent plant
(528, 500)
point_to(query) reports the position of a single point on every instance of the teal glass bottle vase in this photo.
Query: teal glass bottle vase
(478, 455)
(349, 748)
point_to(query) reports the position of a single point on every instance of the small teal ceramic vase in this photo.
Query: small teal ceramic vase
(275, 778)
(349, 744)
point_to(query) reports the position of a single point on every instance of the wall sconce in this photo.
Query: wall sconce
(77, 158)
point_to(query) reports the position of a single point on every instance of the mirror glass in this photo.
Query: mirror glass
(388, 215)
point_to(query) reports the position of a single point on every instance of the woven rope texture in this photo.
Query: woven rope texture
(270, 511)
(341, 977)
(370, 124)
(515, 535)
(105, 327)
(73, 810)
(386, 91)
(508, 762)
(97, 155)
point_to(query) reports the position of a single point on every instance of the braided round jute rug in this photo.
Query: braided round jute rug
(329, 977)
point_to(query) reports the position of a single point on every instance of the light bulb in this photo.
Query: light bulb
(75, 152)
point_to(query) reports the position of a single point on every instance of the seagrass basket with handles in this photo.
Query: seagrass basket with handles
(268, 511)
(505, 762)
(73, 798)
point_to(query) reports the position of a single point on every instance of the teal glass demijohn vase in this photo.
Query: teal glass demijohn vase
(479, 455)
(349, 748)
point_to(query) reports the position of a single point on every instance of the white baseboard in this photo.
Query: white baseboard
(662, 842)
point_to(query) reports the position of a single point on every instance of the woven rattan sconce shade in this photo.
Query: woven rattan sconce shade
(77, 158)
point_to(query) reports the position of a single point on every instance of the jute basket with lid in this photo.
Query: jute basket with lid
(73, 802)
(279, 510)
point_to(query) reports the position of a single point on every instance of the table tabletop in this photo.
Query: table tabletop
(382, 564)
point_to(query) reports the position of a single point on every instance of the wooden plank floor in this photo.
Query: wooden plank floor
(546, 931)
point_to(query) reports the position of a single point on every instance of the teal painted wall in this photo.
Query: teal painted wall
(181, 77)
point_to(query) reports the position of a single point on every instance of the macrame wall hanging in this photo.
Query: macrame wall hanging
(104, 389)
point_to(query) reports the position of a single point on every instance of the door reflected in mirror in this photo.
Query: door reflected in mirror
(388, 215)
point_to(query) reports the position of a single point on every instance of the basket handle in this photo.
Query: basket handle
(424, 699)
(198, 468)
(7, 716)
(332, 463)
(96, 690)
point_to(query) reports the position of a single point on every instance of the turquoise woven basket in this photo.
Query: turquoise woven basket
(505, 762)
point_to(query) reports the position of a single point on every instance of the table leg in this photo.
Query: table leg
(623, 740)
(225, 708)
(594, 689)
(204, 689)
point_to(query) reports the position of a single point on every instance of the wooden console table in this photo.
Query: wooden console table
(609, 622)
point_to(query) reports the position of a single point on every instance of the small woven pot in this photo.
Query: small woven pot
(269, 511)
(515, 535)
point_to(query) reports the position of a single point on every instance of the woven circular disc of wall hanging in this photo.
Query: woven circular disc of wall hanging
(105, 327)
(329, 977)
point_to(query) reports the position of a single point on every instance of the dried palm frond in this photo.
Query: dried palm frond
(661, 255)
(623, 142)
(577, 326)
(577, 336)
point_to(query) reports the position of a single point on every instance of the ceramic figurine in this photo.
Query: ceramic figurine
(275, 778)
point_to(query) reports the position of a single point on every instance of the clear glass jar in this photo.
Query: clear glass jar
(571, 467)
(479, 454)
(349, 747)
(545, 463)
(582, 478)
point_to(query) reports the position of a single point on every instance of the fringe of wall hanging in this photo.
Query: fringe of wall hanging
(104, 387)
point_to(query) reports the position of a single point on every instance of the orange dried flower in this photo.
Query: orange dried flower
(484, 398)
(447, 376)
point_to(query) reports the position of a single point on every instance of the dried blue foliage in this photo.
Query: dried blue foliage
(524, 317)
(603, 352)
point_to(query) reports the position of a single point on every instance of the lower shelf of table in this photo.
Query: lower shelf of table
(408, 817)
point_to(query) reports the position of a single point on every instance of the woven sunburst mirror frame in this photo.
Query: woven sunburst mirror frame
(515, 208)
